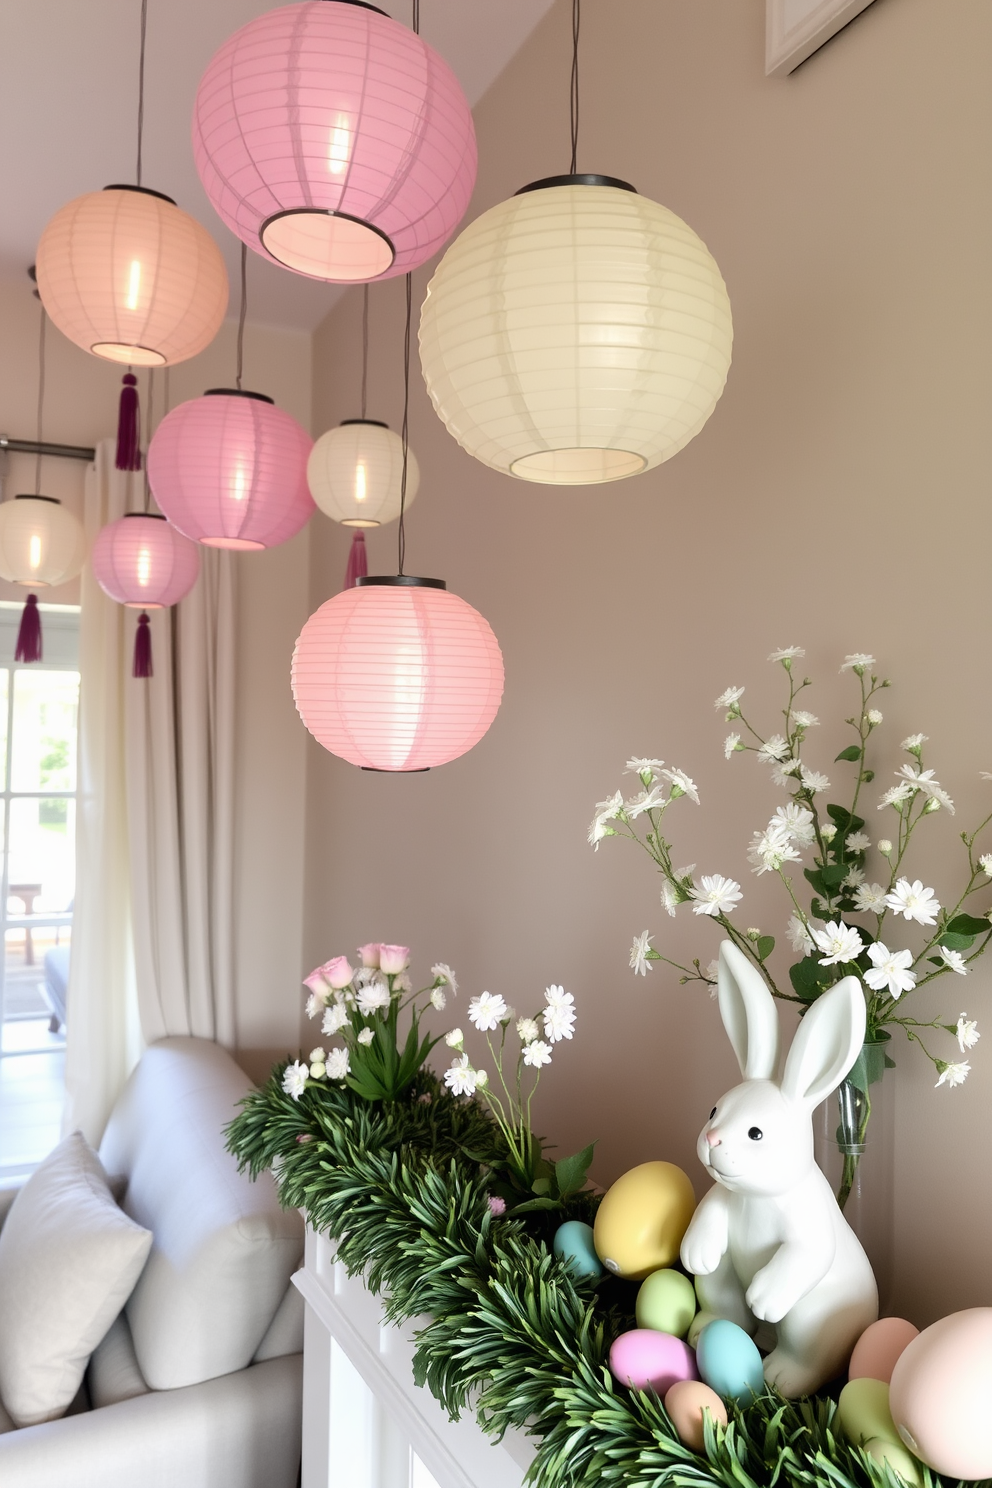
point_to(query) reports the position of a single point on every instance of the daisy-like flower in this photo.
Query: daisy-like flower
(559, 1014)
(923, 780)
(402, 983)
(372, 998)
(799, 937)
(914, 902)
(858, 842)
(770, 849)
(640, 961)
(914, 743)
(454, 1039)
(828, 831)
(838, 942)
(606, 811)
(648, 800)
(803, 720)
(787, 653)
(967, 1033)
(890, 970)
(795, 821)
(813, 780)
(952, 1074)
(730, 698)
(315, 1002)
(857, 662)
(953, 960)
(896, 795)
(338, 1064)
(852, 878)
(642, 767)
(730, 745)
(444, 974)
(527, 1030)
(438, 999)
(461, 1078)
(487, 1011)
(986, 864)
(335, 1019)
(775, 748)
(681, 784)
(874, 717)
(716, 895)
(713, 977)
(870, 898)
(669, 899)
(538, 1053)
(294, 1081)
(366, 1036)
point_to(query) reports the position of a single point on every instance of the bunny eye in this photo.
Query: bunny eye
(713, 1113)
(756, 1134)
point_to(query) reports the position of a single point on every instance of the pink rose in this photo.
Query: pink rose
(318, 984)
(338, 972)
(370, 954)
(393, 959)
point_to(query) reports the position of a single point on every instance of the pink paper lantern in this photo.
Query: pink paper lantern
(230, 471)
(333, 140)
(144, 563)
(397, 674)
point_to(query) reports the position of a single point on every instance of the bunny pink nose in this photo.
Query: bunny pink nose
(712, 1138)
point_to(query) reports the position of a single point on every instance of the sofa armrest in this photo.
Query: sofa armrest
(242, 1430)
(8, 1193)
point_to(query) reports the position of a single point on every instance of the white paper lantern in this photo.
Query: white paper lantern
(355, 473)
(576, 333)
(41, 543)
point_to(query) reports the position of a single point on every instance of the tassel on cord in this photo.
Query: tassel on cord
(29, 633)
(128, 446)
(358, 562)
(142, 648)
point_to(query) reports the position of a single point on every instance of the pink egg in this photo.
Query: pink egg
(645, 1360)
(878, 1348)
(685, 1403)
(940, 1392)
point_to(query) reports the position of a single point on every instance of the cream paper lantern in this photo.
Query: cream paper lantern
(41, 543)
(355, 473)
(577, 333)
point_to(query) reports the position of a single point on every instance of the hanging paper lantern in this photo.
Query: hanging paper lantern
(41, 543)
(335, 141)
(128, 276)
(576, 333)
(355, 473)
(397, 674)
(230, 470)
(143, 562)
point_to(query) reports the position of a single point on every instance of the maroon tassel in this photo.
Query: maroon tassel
(358, 562)
(128, 448)
(29, 634)
(142, 648)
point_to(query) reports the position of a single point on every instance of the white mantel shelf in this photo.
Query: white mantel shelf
(384, 1432)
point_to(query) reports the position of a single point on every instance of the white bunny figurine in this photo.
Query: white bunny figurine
(768, 1242)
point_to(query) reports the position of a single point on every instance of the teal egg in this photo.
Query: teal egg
(573, 1243)
(729, 1361)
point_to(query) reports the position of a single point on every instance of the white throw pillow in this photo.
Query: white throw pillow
(69, 1259)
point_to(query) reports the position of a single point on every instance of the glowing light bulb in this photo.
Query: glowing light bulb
(239, 488)
(134, 284)
(340, 148)
(144, 570)
(360, 482)
(34, 551)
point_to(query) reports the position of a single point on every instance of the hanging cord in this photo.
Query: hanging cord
(241, 317)
(401, 536)
(141, 87)
(166, 389)
(365, 352)
(573, 102)
(41, 398)
(416, 17)
(149, 399)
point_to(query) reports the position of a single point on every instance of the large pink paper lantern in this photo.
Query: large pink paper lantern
(142, 561)
(230, 471)
(397, 674)
(333, 140)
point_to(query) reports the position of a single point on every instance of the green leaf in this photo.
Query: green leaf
(808, 978)
(530, 1206)
(541, 1185)
(571, 1171)
(956, 942)
(833, 874)
(852, 752)
(814, 877)
(965, 924)
(766, 944)
(843, 820)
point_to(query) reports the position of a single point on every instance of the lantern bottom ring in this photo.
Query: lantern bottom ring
(143, 604)
(365, 522)
(133, 356)
(578, 466)
(333, 246)
(378, 770)
(232, 544)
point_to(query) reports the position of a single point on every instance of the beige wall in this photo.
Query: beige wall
(80, 408)
(838, 499)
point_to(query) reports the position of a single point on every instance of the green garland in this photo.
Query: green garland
(402, 1188)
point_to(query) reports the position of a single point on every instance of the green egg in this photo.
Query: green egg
(666, 1302)
(573, 1242)
(863, 1412)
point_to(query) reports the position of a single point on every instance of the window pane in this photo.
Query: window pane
(42, 867)
(4, 685)
(44, 749)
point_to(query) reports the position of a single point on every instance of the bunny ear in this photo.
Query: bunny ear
(748, 1012)
(827, 1044)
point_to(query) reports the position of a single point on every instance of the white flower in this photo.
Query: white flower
(294, 1081)
(538, 1053)
(681, 783)
(318, 1070)
(813, 780)
(444, 974)
(713, 975)
(438, 999)
(558, 1022)
(315, 1002)
(640, 965)
(914, 902)
(852, 878)
(527, 1030)
(884, 846)
(858, 842)
(366, 1036)
(802, 719)
(606, 811)
(481, 1079)
(828, 831)
(787, 653)
(795, 821)
(775, 748)
(954, 961)
(874, 717)
(857, 662)
(890, 970)
(334, 1019)
(338, 1064)
(799, 937)
(556, 996)
(985, 775)
(923, 780)
(967, 1033)
(986, 863)
(454, 1039)
(913, 743)
(770, 849)
(644, 767)
(402, 982)
(895, 795)
(838, 942)
(461, 1079)
(730, 744)
(372, 998)
(487, 1011)
(716, 895)
(952, 1074)
(870, 898)
(669, 898)
(648, 800)
(317, 1056)
(730, 698)
(784, 774)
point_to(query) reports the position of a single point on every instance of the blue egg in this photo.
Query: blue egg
(729, 1361)
(573, 1242)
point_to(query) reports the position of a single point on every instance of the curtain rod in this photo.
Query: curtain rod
(33, 447)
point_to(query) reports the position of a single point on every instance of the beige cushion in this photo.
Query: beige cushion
(69, 1259)
(224, 1250)
(113, 1374)
(285, 1333)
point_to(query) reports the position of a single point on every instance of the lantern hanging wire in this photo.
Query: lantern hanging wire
(573, 98)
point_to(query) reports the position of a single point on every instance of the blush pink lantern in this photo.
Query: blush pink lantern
(333, 140)
(397, 674)
(229, 470)
(142, 561)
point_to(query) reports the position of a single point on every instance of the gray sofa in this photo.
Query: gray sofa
(199, 1381)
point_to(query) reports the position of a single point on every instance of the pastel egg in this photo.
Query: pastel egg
(642, 1219)
(685, 1403)
(728, 1360)
(666, 1300)
(940, 1393)
(574, 1243)
(646, 1360)
(700, 1321)
(863, 1411)
(878, 1348)
(895, 1455)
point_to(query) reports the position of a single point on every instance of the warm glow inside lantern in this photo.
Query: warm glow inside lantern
(355, 473)
(230, 470)
(142, 561)
(576, 333)
(397, 674)
(41, 543)
(128, 276)
(332, 139)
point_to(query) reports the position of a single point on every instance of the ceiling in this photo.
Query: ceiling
(68, 109)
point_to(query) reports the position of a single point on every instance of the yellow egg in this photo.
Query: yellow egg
(898, 1458)
(864, 1416)
(642, 1219)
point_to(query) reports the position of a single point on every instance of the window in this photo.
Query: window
(39, 707)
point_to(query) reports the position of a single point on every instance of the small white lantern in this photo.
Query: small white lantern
(41, 543)
(355, 473)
